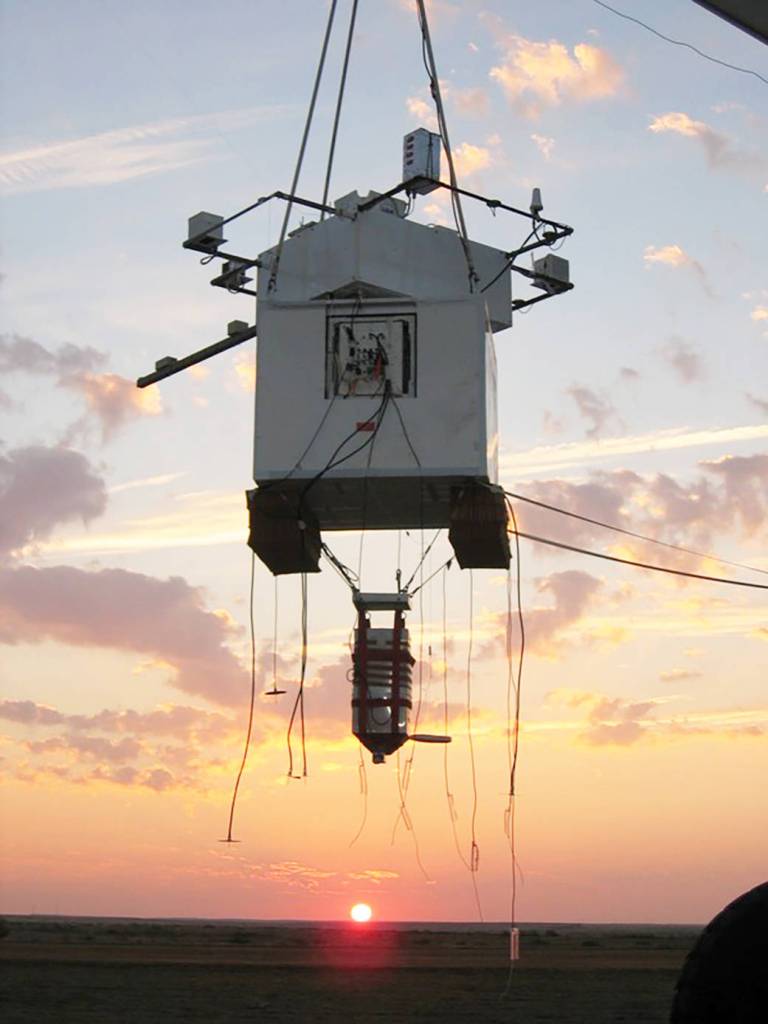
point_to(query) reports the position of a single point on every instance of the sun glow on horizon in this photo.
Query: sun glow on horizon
(361, 913)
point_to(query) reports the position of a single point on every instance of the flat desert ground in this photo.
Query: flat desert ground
(109, 971)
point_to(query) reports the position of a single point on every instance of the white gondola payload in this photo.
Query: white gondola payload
(376, 386)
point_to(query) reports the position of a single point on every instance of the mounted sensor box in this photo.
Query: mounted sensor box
(362, 352)
(421, 161)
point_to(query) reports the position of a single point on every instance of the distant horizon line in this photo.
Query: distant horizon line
(345, 922)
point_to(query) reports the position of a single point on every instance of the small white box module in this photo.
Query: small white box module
(552, 274)
(205, 232)
(421, 161)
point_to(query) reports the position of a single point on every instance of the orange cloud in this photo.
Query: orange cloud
(123, 610)
(469, 159)
(114, 400)
(537, 74)
(423, 112)
(245, 370)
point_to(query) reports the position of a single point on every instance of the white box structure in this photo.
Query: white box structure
(421, 161)
(372, 340)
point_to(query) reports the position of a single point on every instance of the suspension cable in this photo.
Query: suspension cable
(308, 124)
(434, 84)
(339, 101)
(639, 565)
(632, 533)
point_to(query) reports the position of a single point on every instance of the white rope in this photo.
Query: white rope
(310, 113)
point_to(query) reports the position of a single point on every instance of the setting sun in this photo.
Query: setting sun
(361, 913)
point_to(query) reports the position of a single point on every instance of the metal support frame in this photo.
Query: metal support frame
(493, 204)
(169, 366)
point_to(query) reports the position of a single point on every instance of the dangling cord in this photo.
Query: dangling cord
(298, 704)
(405, 782)
(310, 113)
(403, 813)
(513, 740)
(339, 101)
(274, 641)
(474, 853)
(229, 838)
(448, 794)
(419, 701)
(363, 793)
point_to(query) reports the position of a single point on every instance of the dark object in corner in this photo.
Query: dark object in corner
(724, 979)
(283, 541)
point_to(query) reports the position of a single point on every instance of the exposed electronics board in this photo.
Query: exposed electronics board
(365, 352)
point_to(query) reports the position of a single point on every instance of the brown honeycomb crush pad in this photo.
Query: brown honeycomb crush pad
(478, 527)
(284, 541)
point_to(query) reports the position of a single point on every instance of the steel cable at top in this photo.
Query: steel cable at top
(434, 85)
(302, 149)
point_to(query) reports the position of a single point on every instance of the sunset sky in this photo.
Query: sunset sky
(640, 398)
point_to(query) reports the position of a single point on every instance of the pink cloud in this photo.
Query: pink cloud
(129, 611)
(684, 359)
(42, 487)
(732, 495)
(571, 592)
(177, 720)
(596, 408)
(111, 399)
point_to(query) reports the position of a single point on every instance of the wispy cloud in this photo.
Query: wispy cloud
(597, 409)
(544, 144)
(147, 481)
(569, 455)
(676, 256)
(684, 359)
(720, 151)
(618, 722)
(109, 158)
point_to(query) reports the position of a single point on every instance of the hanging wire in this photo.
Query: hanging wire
(445, 565)
(420, 565)
(639, 565)
(513, 727)
(274, 638)
(298, 704)
(339, 101)
(448, 794)
(631, 533)
(363, 776)
(406, 780)
(474, 850)
(406, 818)
(420, 699)
(434, 85)
(310, 113)
(246, 748)
(350, 577)
(275, 692)
(679, 42)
